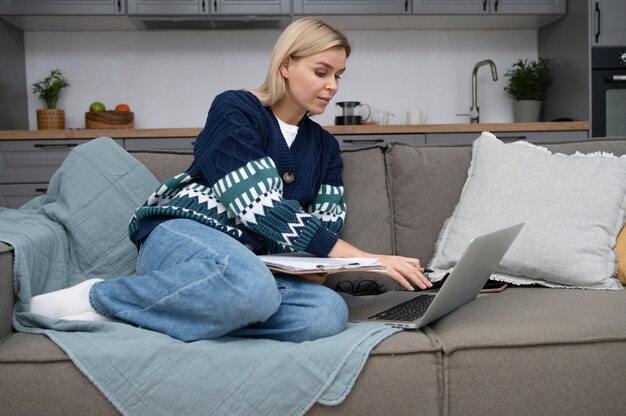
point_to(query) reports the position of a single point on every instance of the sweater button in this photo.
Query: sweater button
(288, 177)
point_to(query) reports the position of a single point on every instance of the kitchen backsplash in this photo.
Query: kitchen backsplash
(169, 78)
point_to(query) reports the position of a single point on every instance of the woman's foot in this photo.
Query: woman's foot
(88, 316)
(62, 304)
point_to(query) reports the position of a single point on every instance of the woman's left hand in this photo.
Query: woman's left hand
(406, 271)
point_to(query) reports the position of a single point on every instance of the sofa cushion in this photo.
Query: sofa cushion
(368, 208)
(34, 373)
(425, 183)
(535, 350)
(573, 207)
(164, 164)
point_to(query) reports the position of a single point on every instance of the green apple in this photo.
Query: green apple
(97, 106)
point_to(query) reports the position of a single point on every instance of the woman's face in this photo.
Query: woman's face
(312, 81)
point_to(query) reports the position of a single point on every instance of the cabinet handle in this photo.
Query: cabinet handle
(119, 6)
(55, 146)
(406, 6)
(364, 141)
(41, 190)
(215, 6)
(484, 5)
(496, 6)
(597, 13)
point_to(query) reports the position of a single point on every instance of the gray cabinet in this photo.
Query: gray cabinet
(26, 167)
(16, 195)
(201, 7)
(168, 7)
(489, 6)
(61, 7)
(351, 7)
(247, 7)
(536, 136)
(608, 22)
(352, 141)
(184, 144)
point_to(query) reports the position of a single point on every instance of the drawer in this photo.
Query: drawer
(161, 143)
(34, 161)
(362, 140)
(14, 196)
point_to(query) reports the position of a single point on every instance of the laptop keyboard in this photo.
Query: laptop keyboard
(410, 310)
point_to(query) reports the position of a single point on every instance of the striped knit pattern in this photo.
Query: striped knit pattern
(330, 207)
(250, 196)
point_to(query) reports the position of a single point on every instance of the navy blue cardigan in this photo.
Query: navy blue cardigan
(247, 182)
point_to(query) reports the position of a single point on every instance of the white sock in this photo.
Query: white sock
(88, 316)
(71, 301)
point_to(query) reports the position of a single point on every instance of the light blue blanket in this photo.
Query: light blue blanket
(78, 231)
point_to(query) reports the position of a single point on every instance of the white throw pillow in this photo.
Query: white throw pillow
(573, 207)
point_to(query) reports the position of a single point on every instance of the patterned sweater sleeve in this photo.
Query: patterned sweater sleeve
(245, 180)
(329, 205)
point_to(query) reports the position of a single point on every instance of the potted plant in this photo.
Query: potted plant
(48, 91)
(528, 82)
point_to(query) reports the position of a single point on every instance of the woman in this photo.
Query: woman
(265, 178)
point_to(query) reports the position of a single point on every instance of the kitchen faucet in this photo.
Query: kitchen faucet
(474, 112)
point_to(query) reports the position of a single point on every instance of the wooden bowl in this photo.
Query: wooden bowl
(109, 120)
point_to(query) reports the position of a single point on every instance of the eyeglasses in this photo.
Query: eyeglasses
(362, 288)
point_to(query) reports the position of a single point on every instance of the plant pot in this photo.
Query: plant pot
(50, 119)
(526, 111)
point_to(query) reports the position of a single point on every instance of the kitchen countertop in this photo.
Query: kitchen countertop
(337, 130)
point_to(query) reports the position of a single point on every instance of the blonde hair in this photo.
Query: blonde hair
(304, 37)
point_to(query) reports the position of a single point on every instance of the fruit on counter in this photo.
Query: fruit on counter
(122, 107)
(97, 106)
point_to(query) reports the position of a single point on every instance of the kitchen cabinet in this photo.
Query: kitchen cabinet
(215, 7)
(16, 195)
(26, 167)
(161, 143)
(608, 23)
(489, 7)
(62, 7)
(353, 141)
(351, 7)
(535, 136)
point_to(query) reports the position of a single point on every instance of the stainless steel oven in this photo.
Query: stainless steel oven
(608, 91)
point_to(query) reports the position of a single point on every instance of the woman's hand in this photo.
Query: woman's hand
(404, 270)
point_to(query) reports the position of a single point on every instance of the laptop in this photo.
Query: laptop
(413, 310)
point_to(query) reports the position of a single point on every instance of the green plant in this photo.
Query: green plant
(528, 79)
(49, 90)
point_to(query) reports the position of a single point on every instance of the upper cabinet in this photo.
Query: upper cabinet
(62, 7)
(276, 14)
(608, 22)
(219, 7)
(351, 7)
(489, 6)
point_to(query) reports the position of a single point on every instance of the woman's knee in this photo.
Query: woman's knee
(328, 317)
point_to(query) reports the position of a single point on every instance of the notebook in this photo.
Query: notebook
(413, 310)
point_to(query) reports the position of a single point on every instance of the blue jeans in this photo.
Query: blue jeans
(194, 282)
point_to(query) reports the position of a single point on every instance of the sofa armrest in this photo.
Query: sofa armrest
(7, 296)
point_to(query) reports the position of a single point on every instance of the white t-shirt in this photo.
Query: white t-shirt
(289, 131)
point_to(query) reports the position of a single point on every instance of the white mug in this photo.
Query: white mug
(416, 117)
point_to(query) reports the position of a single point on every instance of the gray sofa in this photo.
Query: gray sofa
(525, 351)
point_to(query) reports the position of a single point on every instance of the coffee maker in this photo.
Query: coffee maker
(351, 113)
